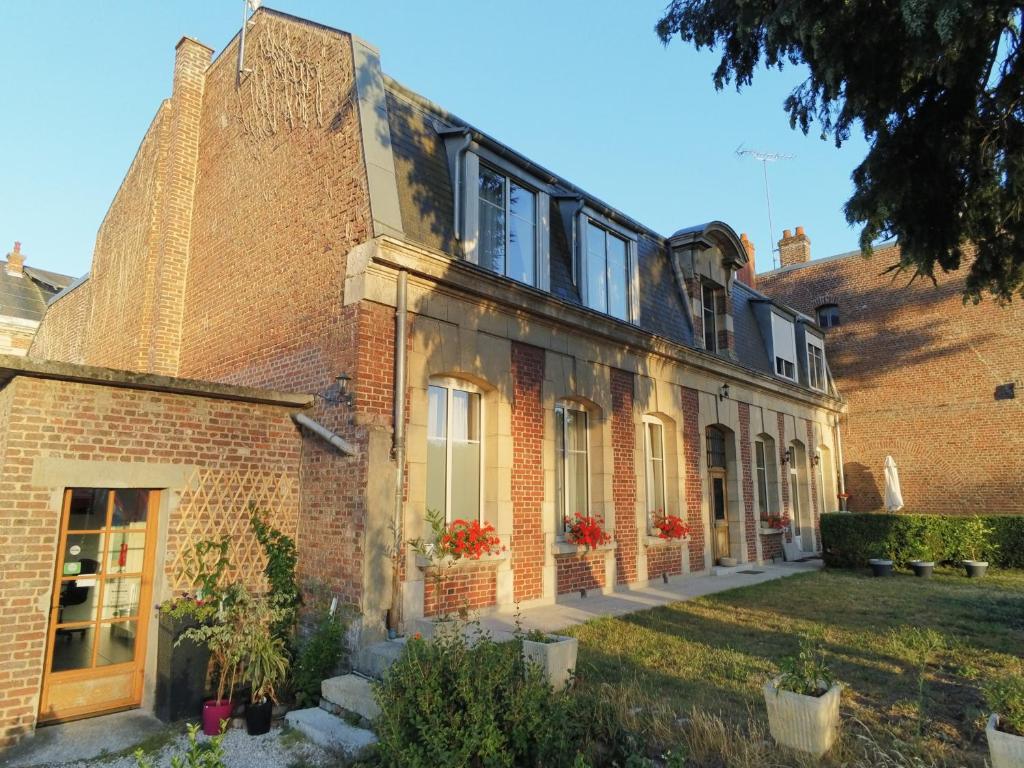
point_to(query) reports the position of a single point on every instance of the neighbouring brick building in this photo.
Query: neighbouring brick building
(476, 335)
(934, 382)
(24, 292)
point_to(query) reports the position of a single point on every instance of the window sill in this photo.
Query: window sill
(563, 548)
(450, 562)
(770, 531)
(657, 541)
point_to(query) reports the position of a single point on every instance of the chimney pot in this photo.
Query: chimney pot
(799, 230)
(786, 234)
(16, 260)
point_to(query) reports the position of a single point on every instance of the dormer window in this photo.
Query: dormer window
(608, 268)
(784, 345)
(508, 226)
(709, 306)
(815, 363)
(828, 316)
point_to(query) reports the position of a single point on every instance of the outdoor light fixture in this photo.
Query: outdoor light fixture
(723, 392)
(815, 459)
(344, 394)
(787, 456)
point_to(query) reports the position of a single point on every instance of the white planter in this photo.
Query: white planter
(1005, 749)
(804, 723)
(556, 659)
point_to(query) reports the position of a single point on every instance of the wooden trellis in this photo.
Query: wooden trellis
(217, 503)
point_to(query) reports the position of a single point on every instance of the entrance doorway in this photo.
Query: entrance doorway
(720, 514)
(96, 643)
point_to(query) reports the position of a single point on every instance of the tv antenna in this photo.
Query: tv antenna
(765, 158)
(248, 8)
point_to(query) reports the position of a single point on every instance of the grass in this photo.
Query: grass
(687, 676)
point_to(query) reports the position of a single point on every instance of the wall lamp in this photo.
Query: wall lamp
(342, 391)
(723, 392)
(815, 459)
(787, 456)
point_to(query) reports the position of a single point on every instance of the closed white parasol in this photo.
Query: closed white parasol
(893, 496)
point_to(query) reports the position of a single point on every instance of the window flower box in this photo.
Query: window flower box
(554, 655)
(804, 723)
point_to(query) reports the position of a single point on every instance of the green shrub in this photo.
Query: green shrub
(1005, 697)
(450, 702)
(318, 656)
(806, 672)
(850, 539)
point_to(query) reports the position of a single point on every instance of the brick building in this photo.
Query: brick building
(930, 380)
(476, 335)
(24, 292)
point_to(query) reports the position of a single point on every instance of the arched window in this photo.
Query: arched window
(716, 447)
(828, 315)
(572, 463)
(654, 446)
(454, 449)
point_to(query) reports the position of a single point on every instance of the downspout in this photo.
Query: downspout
(394, 617)
(460, 153)
(842, 466)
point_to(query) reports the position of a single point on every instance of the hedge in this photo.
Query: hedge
(850, 539)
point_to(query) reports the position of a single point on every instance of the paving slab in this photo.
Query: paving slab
(331, 731)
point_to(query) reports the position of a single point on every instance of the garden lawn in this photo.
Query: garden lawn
(712, 655)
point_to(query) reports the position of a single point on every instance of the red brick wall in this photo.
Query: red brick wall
(624, 477)
(62, 334)
(771, 546)
(750, 520)
(527, 470)
(576, 572)
(469, 587)
(694, 493)
(919, 370)
(664, 559)
(61, 420)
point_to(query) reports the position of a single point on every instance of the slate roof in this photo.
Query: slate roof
(26, 297)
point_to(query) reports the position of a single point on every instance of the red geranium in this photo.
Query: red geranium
(778, 523)
(670, 526)
(586, 530)
(469, 539)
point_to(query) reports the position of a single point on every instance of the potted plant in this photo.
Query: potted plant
(881, 564)
(803, 702)
(1005, 729)
(670, 527)
(553, 655)
(921, 562)
(266, 665)
(975, 539)
(586, 530)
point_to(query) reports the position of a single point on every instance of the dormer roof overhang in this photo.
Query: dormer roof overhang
(713, 234)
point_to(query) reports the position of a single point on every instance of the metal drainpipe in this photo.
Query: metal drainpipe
(842, 467)
(398, 447)
(460, 154)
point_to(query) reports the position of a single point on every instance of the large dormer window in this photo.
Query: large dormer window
(815, 363)
(784, 345)
(710, 317)
(607, 272)
(508, 226)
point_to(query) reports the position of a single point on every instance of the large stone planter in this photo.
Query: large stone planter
(804, 723)
(1005, 749)
(556, 659)
(975, 568)
(880, 566)
(922, 568)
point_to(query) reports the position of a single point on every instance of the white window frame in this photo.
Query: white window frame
(471, 210)
(649, 468)
(817, 380)
(782, 326)
(451, 384)
(561, 465)
(589, 215)
(709, 286)
(761, 475)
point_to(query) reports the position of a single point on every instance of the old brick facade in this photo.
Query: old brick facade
(920, 371)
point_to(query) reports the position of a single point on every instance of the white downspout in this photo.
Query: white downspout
(398, 448)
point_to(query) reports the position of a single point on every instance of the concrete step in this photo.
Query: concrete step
(352, 693)
(374, 660)
(330, 731)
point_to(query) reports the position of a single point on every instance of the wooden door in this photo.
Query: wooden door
(720, 514)
(103, 579)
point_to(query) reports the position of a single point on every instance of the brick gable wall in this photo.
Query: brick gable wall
(624, 476)
(919, 370)
(527, 470)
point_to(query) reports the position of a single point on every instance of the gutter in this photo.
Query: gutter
(323, 432)
(394, 615)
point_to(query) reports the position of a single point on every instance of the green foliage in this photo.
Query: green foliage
(1005, 696)
(205, 567)
(945, 167)
(850, 539)
(806, 672)
(451, 702)
(921, 646)
(318, 656)
(282, 558)
(198, 755)
(266, 664)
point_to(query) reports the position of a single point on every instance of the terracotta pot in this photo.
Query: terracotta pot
(213, 712)
(804, 723)
(1005, 749)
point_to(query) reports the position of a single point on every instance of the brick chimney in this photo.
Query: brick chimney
(16, 261)
(748, 275)
(794, 249)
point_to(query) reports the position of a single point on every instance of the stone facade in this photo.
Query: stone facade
(923, 375)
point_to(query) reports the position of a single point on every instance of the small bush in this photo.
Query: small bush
(850, 539)
(1005, 697)
(318, 656)
(806, 672)
(452, 702)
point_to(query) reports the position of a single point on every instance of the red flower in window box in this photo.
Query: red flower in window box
(469, 539)
(586, 530)
(670, 526)
(778, 523)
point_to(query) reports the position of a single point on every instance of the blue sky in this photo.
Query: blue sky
(582, 87)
